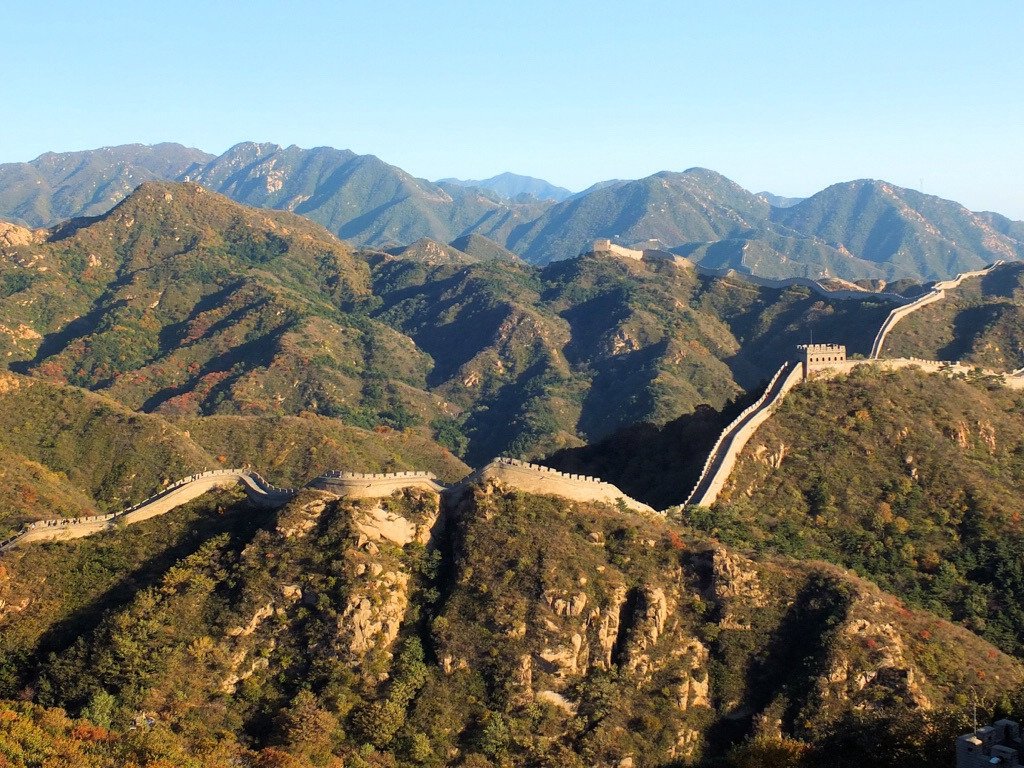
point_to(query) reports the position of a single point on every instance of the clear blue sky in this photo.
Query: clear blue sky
(785, 96)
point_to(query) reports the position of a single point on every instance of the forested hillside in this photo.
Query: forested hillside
(980, 322)
(911, 479)
(183, 303)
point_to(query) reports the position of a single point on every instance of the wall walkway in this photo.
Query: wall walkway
(358, 485)
(804, 282)
(528, 477)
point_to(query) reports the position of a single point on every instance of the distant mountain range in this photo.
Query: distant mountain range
(778, 201)
(862, 229)
(512, 185)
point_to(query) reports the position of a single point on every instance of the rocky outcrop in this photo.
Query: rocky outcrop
(374, 614)
(736, 588)
(13, 236)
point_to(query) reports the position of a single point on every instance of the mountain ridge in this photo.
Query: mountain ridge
(863, 229)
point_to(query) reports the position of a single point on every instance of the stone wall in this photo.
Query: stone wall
(358, 485)
(528, 477)
(722, 457)
(607, 246)
(789, 282)
(948, 367)
(180, 492)
(535, 478)
(937, 293)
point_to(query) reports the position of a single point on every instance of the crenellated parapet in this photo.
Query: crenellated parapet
(536, 478)
(726, 450)
(368, 485)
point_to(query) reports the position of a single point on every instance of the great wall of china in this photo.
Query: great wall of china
(819, 361)
(258, 490)
(532, 478)
(634, 254)
(722, 457)
(937, 293)
(536, 478)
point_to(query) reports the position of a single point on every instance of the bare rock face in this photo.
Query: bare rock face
(607, 622)
(737, 587)
(569, 605)
(872, 664)
(377, 524)
(262, 613)
(9, 383)
(770, 458)
(13, 236)
(648, 627)
(694, 689)
(374, 623)
(379, 599)
(300, 519)
(564, 661)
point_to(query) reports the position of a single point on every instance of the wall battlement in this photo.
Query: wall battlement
(819, 361)
(174, 495)
(363, 485)
(722, 457)
(336, 474)
(536, 478)
(354, 485)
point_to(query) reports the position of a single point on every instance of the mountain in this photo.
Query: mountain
(511, 186)
(777, 201)
(853, 231)
(524, 631)
(183, 303)
(58, 186)
(536, 359)
(671, 208)
(358, 197)
(483, 248)
(1008, 227)
(857, 230)
(913, 482)
(908, 233)
(767, 252)
(66, 452)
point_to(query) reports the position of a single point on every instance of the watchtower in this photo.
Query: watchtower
(816, 357)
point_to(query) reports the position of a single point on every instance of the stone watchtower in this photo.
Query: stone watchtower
(816, 357)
